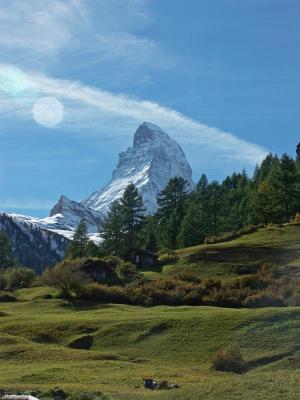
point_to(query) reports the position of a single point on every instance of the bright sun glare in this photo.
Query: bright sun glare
(48, 111)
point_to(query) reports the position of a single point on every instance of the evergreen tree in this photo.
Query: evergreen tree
(201, 186)
(112, 232)
(170, 231)
(6, 253)
(191, 231)
(149, 235)
(171, 198)
(285, 181)
(171, 211)
(262, 204)
(133, 214)
(214, 207)
(79, 244)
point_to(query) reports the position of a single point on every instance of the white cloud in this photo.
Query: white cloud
(37, 27)
(36, 32)
(91, 111)
(26, 203)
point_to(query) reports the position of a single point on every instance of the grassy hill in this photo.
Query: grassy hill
(88, 347)
(122, 344)
(279, 245)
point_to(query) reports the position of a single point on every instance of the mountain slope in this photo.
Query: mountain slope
(68, 214)
(278, 245)
(34, 246)
(153, 160)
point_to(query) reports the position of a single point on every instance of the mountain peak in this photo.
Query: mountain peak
(148, 132)
(153, 160)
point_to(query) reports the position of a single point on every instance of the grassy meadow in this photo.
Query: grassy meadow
(87, 347)
(128, 343)
(279, 245)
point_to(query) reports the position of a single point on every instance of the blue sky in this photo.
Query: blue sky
(220, 76)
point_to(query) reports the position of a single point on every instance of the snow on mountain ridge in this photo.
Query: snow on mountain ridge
(153, 160)
(150, 163)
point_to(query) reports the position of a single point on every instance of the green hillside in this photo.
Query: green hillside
(88, 347)
(123, 344)
(276, 244)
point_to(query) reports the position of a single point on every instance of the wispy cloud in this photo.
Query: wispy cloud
(90, 111)
(38, 27)
(26, 203)
(36, 32)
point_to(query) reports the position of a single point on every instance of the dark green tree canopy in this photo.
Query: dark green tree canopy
(6, 252)
(79, 244)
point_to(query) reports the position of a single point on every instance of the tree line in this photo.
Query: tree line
(183, 218)
(271, 195)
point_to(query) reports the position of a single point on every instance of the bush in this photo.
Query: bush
(253, 282)
(127, 272)
(230, 360)
(103, 293)
(111, 261)
(248, 229)
(296, 219)
(19, 277)
(169, 257)
(264, 299)
(16, 278)
(67, 278)
(224, 237)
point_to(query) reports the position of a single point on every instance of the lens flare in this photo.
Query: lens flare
(48, 111)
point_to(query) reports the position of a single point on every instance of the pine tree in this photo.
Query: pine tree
(191, 231)
(133, 214)
(262, 204)
(171, 211)
(201, 186)
(171, 198)
(79, 244)
(6, 253)
(112, 231)
(285, 181)
(170, 230)
(215, 203)
(149, 235)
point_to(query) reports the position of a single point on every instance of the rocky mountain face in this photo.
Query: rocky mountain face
(34, 246)
(149, 164)
(71, 213)
(153, 160)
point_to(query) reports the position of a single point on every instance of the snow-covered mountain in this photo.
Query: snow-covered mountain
(66, 215)
(33, 245)
(150, 163)
(153, 160)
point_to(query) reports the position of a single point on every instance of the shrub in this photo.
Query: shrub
(103, 293)
(67, 278)
(296, 219)
(19, 277)
(169, 257)
(225, 237)
(253, 282)
(264, 299)
(230, 360)
(127, 272)
(111, 262)
(248, 229)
